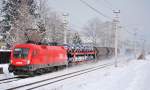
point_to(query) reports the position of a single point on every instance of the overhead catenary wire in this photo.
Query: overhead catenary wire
(137, 39)
(94, 9)
(121, 42)
(109, 4)
(133, 33)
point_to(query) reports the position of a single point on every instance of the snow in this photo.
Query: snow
(130, 74)
(6, 72)
(133, 75)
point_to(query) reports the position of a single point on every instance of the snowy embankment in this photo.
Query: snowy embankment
(133, 75)
(6, 73)
(129, 75)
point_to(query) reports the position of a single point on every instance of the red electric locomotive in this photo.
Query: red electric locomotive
(28, 59)
(31, 59)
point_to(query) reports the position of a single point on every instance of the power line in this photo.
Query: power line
(108, 7)
(109, 4)
(94, 9)
(132, 33)
(129, 32)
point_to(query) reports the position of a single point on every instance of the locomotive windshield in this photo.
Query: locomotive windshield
(21, 52)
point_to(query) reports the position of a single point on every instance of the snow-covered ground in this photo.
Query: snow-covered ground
(133, 75)
(129, 75)
(5, 70)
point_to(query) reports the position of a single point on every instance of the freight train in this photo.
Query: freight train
(105, 52)
(32, 59)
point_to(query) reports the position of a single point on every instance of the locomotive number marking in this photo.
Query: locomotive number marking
(18, 62)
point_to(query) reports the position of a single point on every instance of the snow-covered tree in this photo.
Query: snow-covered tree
(18, 16)
(31, 20)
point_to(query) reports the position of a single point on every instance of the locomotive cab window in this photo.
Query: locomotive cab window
(21, 52)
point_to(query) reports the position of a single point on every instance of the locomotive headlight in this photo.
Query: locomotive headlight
(11, 61)
(28, 61)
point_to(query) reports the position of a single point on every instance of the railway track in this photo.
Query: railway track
(8, 80)
(55, 79)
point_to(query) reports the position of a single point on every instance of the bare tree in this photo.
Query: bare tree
(92, 29)
(102, 33)
(52, 23)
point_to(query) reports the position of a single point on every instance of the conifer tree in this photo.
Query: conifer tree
(76, 39)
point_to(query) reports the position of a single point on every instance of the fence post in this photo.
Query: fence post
(1, 70)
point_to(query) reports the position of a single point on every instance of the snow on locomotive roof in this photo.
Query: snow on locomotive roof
(4, 50)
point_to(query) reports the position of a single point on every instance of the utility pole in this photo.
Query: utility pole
(144, 41)
(135, 34)
(116, 21)
(65, 16)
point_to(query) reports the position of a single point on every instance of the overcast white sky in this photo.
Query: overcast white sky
(134, 13)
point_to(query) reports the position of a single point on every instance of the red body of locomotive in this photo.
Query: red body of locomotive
(32, 58)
